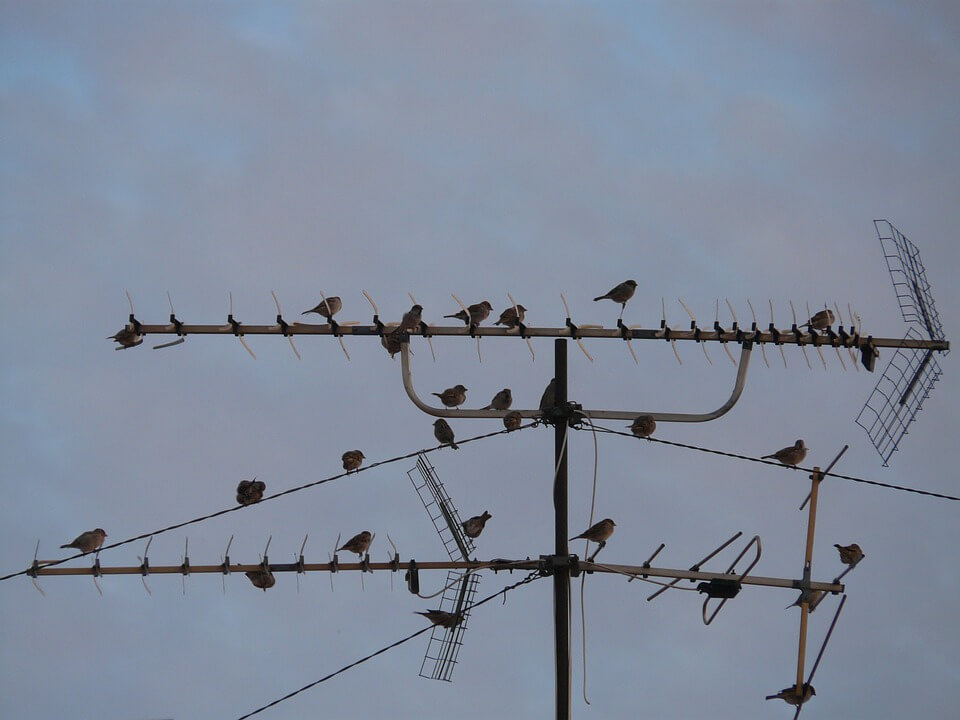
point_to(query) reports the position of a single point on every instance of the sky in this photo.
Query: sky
(710, 151)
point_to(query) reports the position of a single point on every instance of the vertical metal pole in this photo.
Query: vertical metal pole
(561, 575)
(808, 556)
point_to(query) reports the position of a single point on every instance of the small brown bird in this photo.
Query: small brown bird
(88, 542)
(474, 526)
(127, 337)
(643, 426)
(250, 491)
(509, 316)
(789, 695)
(850, 554)
(451, 397)
(328, 308)
(821, 320)
(478, 313)
(501, 401)
(391, 341)
(262, 578)
(411, 319)
(444, 433)
(813, 599)
(598, 532)
(512, 420)
(358, 543)
(549, 397)
(441, 617)
(352, 459)
(792, 455)
(621, 293)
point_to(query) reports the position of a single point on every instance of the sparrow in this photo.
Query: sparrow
(441, 618)
(478, 313)
(474, 526)
(501, 401)
(813, 597)
(391, 341)
(549, 397)
(328, 308)
(358, 543)
(599, 532)
(789, 695)
(849, 554)
(621, 293)
(643, 426)
(411, 319)
(821, 320)
(792, 455)
(88, 541)
(512, 420)
(352, 459)
(509, 316)
(444, 433)
(250, 491)
(127, 337)
(451, 397)
(262, 578)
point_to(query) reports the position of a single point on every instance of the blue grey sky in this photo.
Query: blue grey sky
(708, 150)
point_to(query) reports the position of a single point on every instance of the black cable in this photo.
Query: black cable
(777, 464)
(263, 500)
(529, 578)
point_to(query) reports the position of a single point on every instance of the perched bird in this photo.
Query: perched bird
(441, 617)
(643, 426)
(89, 541)
(512, 420)
(509, 316)
(358, 543)
(328, 308)
(792, 455)
(262, 578)
(789, 695)
(444, 433)
(598, 532)
(451, 397)
(478, 313)
(813, 598)
(352, 459)
(411, 319)
(549, 397)
(850, 554)
(621, 293)
(501, 401)
(474, 526)
(821, 320)
(250, 491)
(127, 337)
(391, 341)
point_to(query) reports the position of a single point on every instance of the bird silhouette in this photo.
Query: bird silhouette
(392, 341)
(358, 544)
(474, 526)
(509, 316)
(790, 696)
(453, 396)
(441, 617)
(849, 554)
(821, 320)
(477, 313)
(352, 459)
(501, 401)
(512, 420)
(262, 578)
(250, 491)
(127, 338)
(549, 397)
(643, 426)
(444, 433)
(792, 455)
(88, 541)
(620, 294)
(328, 308)
(598, 532)
(411, 319)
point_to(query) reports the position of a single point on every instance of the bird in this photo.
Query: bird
(850, 554)
(474, 526)
(620, 294)
(391, 342)
(509, 316)
(813, 598)
(441, 617)
(358, 544)
(444, 433)
(127, 337)
(88, 541)
(549, 397)
(478, 312)
(250, 491)
(643, 426)
(411, 319)
(352, 459)
(792, 455)
(598, 532)
(328, 308)
(501, 401)
(512, 420)
(453, 396)
(821, 320)
(789, 694)
(262, 578)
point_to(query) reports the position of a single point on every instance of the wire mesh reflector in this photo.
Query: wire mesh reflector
(444, 646)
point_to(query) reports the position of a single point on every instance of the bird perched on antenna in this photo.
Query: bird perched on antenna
(501, 401)
(792, 455)
(453, 396)
(790, 696)
(643, 426)
(88, 541)
(509, 316)
(250, 491)
(821, 320)
(598, 532)
(478, 312)
(474, 526)
(813, 599)
(549, 397)
(512, 420)
(849, 554)
(620, 294)
(441, 617)
(262, 578)
(328, 308)
(352, 459)
(392, 341)
(358, 544)
(444, 433)
(411, 319)
(127, 338)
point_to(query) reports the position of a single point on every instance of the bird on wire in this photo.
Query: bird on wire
(643, 426)
(88, 541)
(250, 491)
(512, 420)
(792, 455)
(352, 459)
(790, 696)
(444, 433)
(441, 617)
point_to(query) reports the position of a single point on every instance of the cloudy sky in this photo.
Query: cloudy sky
(708, 150)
